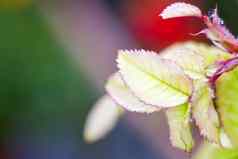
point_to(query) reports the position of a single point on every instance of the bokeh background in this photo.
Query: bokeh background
(55, 56)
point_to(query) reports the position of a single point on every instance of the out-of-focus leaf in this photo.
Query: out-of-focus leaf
(180, 9)
(154, 80)
(209, 53)
(210, 151)
(204, 112)
(102, 119)
(124, 97)
(227, 103)
(179, 126)
(192, 63)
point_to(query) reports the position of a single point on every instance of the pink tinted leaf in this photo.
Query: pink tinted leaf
(219, 34)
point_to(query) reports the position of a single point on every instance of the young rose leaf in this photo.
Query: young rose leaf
(101, 119)
(214, 38)
(211, 151)
(225, 140)
(192, 63)
(219, 34)
(179, 127)
(180, 9)
(210, 54)
(154, 80)
(227, 103)
(204, 112)
(124, 97)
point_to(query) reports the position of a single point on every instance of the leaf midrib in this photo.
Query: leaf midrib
(154, 76)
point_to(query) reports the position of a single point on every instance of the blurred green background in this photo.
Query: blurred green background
(39, 85)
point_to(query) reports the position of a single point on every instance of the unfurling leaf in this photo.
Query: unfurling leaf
(204, 112)
(192, 63)
(219, 34)
(101, 119)
(156, 81)
(213, 36)
(227, 103)
(180, 9)
(179, 127)
(210, 151)
(118, 90)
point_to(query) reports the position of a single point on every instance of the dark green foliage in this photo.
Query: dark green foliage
(39, 87)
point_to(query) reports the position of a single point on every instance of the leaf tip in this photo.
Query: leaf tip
(101, 119)
(224, 140)
(180, 9)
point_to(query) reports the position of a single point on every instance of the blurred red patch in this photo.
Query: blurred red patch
(151, 31)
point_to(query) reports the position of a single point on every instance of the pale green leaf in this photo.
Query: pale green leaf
(204, 113)
(179, 126)
(209, 53)
(227, 103)
(210, 151)
(101, 119)
(192, 63)
(154, 80)
(118, 90)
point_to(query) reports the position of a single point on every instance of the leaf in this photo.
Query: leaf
(180, 9)
(192, 63)
(213, 36)
(210, 151)
(210, 54)
(227, 103)
(179, 127)
(124, 97)
(225, 140)
(154, 80)
(219, 34)
(204, 112)
(101, 119)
